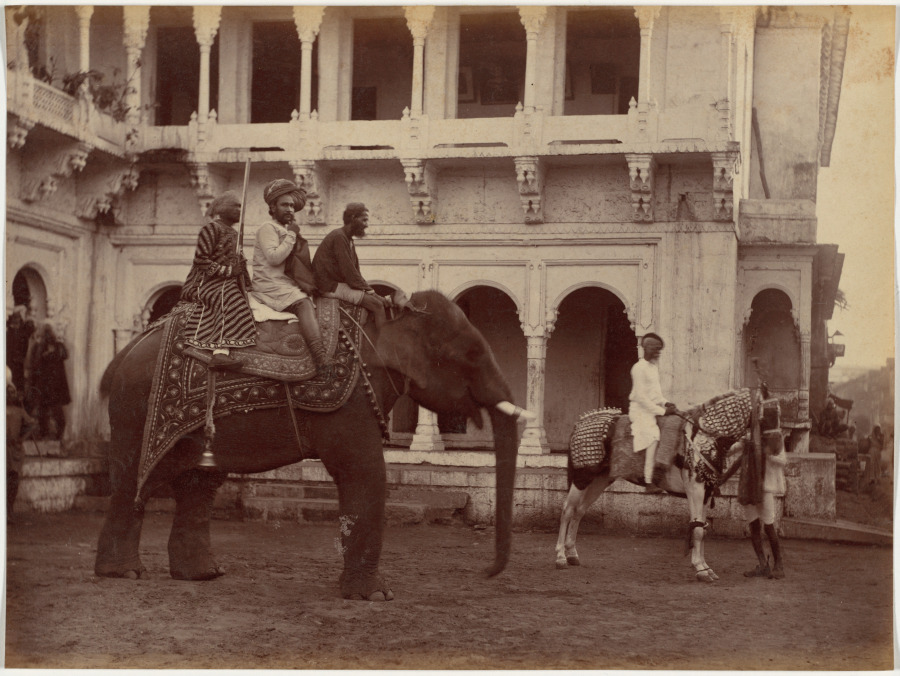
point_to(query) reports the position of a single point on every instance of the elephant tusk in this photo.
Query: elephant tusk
(515, 411)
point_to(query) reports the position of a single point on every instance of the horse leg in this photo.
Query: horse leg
(190, 555)
(695, 497)
(575, 507)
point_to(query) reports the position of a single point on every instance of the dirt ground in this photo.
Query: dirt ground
(632, 604)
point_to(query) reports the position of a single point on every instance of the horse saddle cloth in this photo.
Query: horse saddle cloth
(281, 353)
(627, 464)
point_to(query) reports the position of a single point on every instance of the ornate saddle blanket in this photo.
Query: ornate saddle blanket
(281, 352)
(626, 464)
(275, 369)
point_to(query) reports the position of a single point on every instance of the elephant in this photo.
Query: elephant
(429, 350)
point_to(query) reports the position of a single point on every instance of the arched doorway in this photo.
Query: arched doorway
(589, 358)
(162, 304)
(28, 289)
(773, 349)
(496, 316)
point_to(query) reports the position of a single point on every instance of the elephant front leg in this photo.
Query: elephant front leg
(190, 553)
(117, 549)
(362, 498)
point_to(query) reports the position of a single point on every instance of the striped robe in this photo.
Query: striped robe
(221, 316)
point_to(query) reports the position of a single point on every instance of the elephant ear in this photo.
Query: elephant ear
(401, 347)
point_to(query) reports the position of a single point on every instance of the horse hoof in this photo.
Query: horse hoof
(561, 565)
(573, 561)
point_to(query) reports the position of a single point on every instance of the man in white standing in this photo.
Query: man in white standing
(647, 402)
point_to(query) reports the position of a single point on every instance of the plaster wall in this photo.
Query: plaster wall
(787, 105)
(693, 67)
(697, 281)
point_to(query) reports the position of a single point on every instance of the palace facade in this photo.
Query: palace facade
(574, 177)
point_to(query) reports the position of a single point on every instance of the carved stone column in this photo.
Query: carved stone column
(308, 176)
(420, 183)
(803, 397)
(532, 17)
(534, 437)
(646, 16)
(530, 180)
(307, 20)
(641, 168)
(726, 48)
(723, 185)
(427, 436)
(136, 20)
(84, 13)
(418, 19)
(206, 25)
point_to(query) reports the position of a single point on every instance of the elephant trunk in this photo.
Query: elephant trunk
(505, 449)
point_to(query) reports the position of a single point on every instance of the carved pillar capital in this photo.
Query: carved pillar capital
(646, 16)
(530, 180)
(206, 24)
(136, 20)
(308, 20)
(84, 14)
(418, 20)
(641, 170)
(532, 18)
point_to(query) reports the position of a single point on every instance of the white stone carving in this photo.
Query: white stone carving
(530, 179)
(17, 129)
(308, 20)
(420, 183)
(309, 176)
(641, 170)
(723, 184)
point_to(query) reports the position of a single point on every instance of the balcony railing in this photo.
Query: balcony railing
(643, 129)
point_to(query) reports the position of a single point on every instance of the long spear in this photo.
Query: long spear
(240, 240)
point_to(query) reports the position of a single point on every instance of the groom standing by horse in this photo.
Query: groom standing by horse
(646, 401)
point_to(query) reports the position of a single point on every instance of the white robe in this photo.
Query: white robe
(647, 402)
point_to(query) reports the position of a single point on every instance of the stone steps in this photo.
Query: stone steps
(51, 484)
(283, 501)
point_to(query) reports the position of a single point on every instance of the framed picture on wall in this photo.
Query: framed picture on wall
(603, 78)
(466, 91)
(498, 85)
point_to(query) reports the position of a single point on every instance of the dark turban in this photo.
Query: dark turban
(281, 186)
(215, 207)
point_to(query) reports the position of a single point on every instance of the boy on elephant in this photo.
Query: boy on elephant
(280, 250)
(221, 317)
(646, 401)
(336, 265)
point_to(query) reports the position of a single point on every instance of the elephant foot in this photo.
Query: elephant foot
(365, 587)
(210, 572)
(132, 570)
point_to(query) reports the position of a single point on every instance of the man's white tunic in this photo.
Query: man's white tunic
(647, 402)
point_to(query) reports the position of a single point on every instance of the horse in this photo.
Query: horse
(713, 432)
